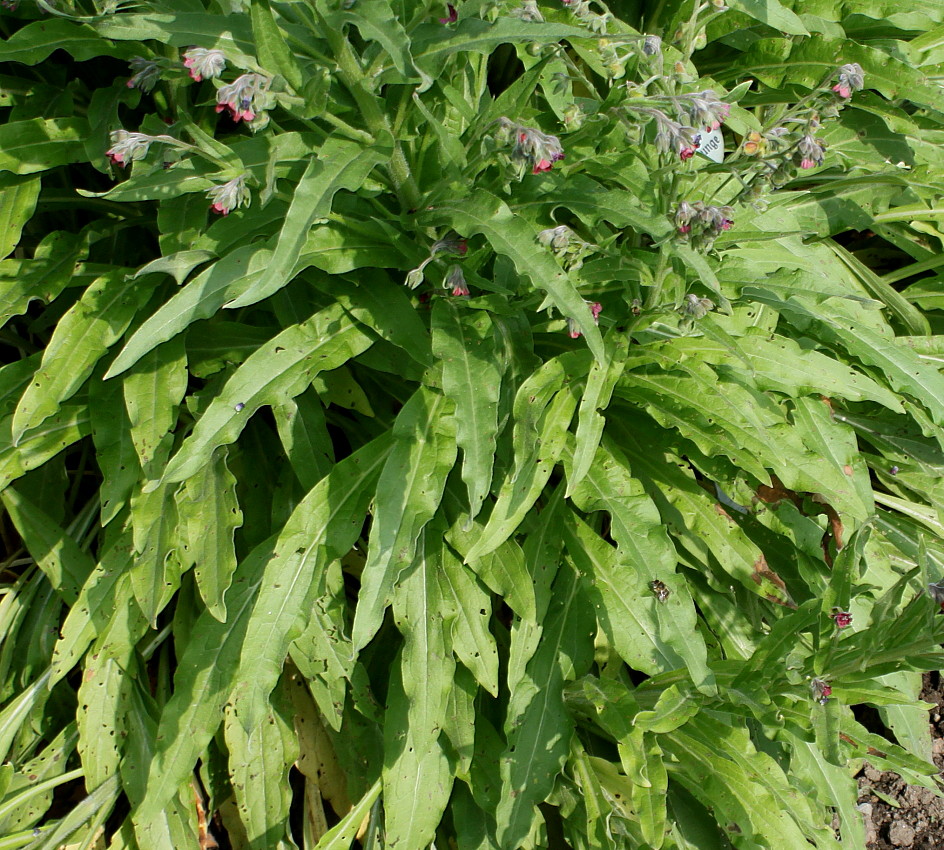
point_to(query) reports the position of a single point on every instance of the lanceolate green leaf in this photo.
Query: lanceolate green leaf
(271, 48)
(417, 775)
(152, 391)
(56, 433)
(524, 485)
(111, 433)
(209, 513)
(56, 553)
(202, 684)
(107, 589)
(901, 367)
(780, 363)
(337, 165)
(44, 276)
(538, 725)
(323, 527)
(691, 515)
(81, 338)
(156, 567)
(645, 555)
(278, 370)
(465, 344)
(408, 494)
(772, 13)
(596, 397)
(17, 203)
(40, 144)
(199, 299)
(259, 761)
(466, 608)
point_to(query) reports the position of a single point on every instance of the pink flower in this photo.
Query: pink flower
(685, 228)
(595, 309)
(842, 619)
(229, 196)
(456, 281)
(539, 149)
(204, 64)
(452, 15)
(851, 78)
(237, 98)
(573, 329)
(127, 147)
(687, 152)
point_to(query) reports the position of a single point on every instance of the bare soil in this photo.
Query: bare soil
(918, 821)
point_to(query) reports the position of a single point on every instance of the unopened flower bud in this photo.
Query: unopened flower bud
(415, 277)
(147, 73)
(652, 45)
(696, 307)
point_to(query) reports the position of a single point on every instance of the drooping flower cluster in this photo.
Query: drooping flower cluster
(146, 74)
(695, 308)
(705, 109)
(793, 144)
(810, 152)
(673, 137)
(451, 245)
(455, 280)
(229, 196)
(204, 64)
(529, 146)
(701, 224)
(566, 245)
(851, 78)
(821, 691)
(243, 97)
(127, 147)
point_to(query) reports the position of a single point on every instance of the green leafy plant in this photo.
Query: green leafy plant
(411, 437)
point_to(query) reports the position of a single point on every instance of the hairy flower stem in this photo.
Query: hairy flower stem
(353, 78)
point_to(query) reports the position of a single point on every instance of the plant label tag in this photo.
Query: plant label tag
(712, 145)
